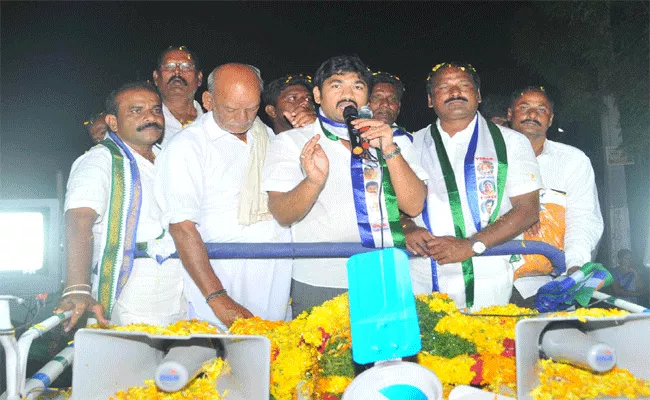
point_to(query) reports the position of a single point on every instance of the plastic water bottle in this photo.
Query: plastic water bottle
(567, 344)
(183, 362)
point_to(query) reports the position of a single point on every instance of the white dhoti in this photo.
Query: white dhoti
(152, 295)
(493, 278)
(262, 286)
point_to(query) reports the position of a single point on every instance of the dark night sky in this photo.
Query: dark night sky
(59, 60)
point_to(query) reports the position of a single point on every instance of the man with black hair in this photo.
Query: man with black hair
(465, 156)
(494, 107)
(317, 186)
(569, 197)
(109, 207)
(96, 126)
(386, 97)
(178, 76)
(289, 102)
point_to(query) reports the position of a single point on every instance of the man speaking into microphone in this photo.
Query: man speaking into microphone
(317, 186)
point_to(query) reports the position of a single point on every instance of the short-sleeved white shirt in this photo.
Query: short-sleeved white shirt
(89, 185)
(199, 174)
(333, 217)
(172, 125)
(567, 169)
(493, 275)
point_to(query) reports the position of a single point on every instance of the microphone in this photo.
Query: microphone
(350, 113)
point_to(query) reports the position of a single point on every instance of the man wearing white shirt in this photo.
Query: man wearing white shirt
(310, 174)
(565, 170)
(466, 158)
(208, 187)
(109, 207)
(386, 97)
(178, 76)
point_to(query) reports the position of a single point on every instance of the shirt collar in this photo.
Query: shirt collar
(465, 134)
(211, 127)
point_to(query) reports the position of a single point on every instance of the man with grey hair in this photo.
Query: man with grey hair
(208, 188)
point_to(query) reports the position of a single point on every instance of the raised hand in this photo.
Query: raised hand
(314, 162)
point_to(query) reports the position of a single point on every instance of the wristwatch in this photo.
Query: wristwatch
(478, 247)
(393, 153)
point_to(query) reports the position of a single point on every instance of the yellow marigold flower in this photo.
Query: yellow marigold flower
(439, 302)
(562, 381)
(499, 370)
(452, 371)
(333, 384)
(487, 333)
(201, 388)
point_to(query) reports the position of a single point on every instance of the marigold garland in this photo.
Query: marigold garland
(201, 388)
(312, 353)
(562, 381)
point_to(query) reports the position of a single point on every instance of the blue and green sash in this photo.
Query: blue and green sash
(123, 213)
(375, 201)
(482, 197)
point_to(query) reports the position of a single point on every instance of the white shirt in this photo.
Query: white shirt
(172, 125)
(333, 217)
(565, 168)
(493, 275)
(89, 185)
(199, 174)
(153, 293)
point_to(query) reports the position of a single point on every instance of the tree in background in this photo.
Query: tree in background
(595, 54)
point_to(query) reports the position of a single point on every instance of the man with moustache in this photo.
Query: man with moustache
(386, 97)
(109, 207)
(178, 77)
(208, 187)
(568, 179)
(312, 179)
(460, 152)
(289, 102)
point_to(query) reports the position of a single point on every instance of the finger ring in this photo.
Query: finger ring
(302, 156)
(77, 312)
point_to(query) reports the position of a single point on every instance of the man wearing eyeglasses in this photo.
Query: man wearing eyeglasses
(178, 76)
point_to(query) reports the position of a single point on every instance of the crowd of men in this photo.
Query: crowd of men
(165, 176)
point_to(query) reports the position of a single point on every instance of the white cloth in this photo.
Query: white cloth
(89, 185)
(566, 169)
(333, 217)
(270, 133)
(172, 125)
(493, 275)
(253, 202)
(199, 175)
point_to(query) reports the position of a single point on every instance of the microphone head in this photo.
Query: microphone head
(349, 112)
(365, 112)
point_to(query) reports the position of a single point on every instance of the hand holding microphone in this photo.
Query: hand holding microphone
(369, 132)
(350, 114)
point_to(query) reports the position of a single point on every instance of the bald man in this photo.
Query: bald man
(208, 187)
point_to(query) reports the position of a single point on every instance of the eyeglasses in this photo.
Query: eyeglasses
(185, 67)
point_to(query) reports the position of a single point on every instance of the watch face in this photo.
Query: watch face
(478, 247)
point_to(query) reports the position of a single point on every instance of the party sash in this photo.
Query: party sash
(123, 214)
(375, 201)
(479, 189)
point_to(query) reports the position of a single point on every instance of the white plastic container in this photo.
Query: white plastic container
(395, 380)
